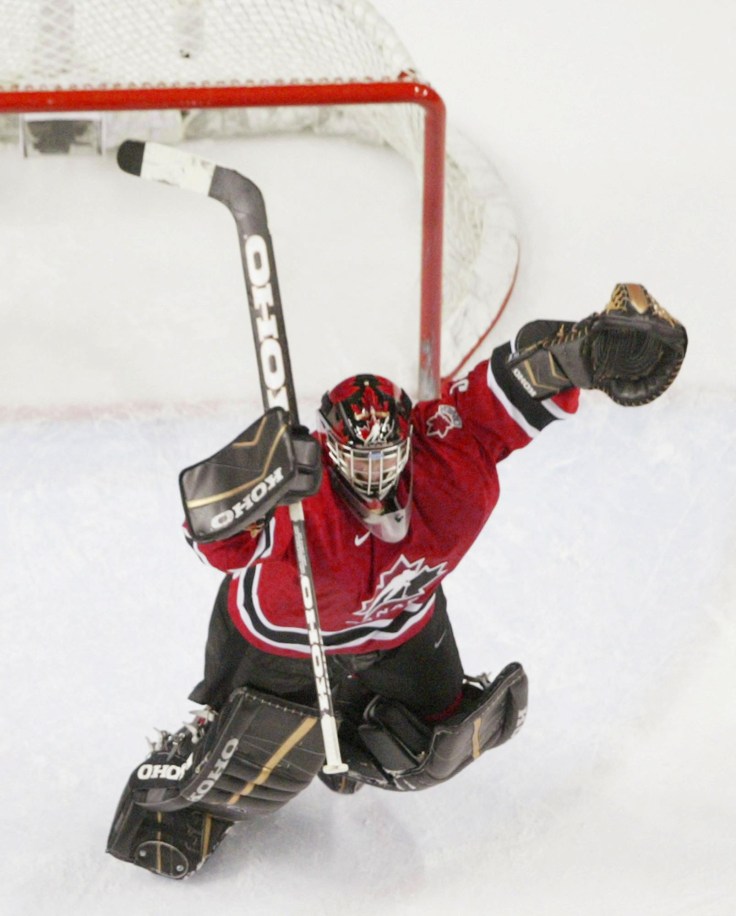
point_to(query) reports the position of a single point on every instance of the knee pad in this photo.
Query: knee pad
(405, 754)
(254, 757)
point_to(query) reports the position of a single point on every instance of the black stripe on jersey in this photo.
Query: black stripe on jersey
(533, 411)
(300, 638)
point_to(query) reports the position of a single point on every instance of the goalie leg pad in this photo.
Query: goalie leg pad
(254, 757)
(172, 844)
(407, 755)
(262, 752)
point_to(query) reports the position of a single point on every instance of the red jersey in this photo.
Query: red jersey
(372, 594)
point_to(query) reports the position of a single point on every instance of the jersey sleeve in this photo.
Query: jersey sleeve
(236, 552)
(493, 405)
(528, 415)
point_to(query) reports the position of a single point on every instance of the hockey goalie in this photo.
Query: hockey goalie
(394, 496)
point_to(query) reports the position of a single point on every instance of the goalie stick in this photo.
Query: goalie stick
(244, 200)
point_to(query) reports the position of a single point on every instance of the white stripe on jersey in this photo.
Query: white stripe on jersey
(263, 547)
(194, 545)
(556, 412)
(516, 415)
(374, 634)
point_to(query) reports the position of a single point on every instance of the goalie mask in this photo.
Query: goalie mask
(366, 420)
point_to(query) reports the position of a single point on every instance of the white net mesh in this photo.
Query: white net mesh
(88, 43)
(52, 45)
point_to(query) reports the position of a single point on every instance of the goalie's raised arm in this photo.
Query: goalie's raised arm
(632, 350)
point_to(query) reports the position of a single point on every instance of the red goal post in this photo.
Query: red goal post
(224, 67)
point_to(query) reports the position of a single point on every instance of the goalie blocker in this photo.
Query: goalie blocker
(270, 464)
(257, 754)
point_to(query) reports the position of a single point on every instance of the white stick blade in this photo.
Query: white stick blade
(157, 162)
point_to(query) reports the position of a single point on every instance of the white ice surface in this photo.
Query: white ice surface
(607, 568)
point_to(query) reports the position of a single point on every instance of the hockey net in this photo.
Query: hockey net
(173, 70)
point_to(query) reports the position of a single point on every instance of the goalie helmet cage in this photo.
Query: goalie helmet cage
(172, 70)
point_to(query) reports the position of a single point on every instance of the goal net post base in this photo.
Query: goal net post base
(62, 134)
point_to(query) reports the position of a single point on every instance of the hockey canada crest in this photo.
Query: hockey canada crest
(403, 589)
(445, 419)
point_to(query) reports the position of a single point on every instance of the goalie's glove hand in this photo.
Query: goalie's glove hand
(635, 347)
(632, 350)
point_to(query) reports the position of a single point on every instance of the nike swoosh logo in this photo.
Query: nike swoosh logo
(361, 538)
(439, 641)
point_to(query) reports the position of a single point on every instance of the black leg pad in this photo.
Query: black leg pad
(254, 757)
(404, 754)
(173, 844)
(260, 752)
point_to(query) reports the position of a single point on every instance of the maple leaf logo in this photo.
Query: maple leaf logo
(441, 422)
(402, 589)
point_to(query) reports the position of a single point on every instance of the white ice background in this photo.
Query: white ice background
(607, 568)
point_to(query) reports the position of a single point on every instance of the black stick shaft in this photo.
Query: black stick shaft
(244, 200)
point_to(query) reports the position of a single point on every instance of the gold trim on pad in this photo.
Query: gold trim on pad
(270, 765)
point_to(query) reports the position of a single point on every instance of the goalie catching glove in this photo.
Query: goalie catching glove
(270, 464)
(632, 350)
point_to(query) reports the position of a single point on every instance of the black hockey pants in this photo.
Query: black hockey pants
(425, 673)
